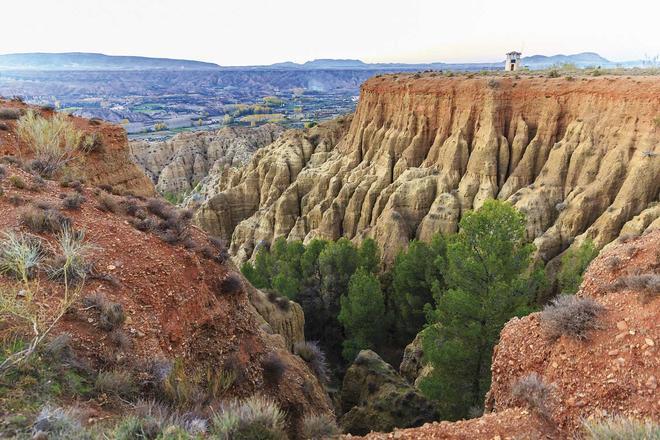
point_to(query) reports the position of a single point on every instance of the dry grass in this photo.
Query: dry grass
(621, 428)
(53, 141)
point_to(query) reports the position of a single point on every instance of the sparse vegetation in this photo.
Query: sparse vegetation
(71, 265)
(571, 316)
(230, 285)
(621, 428)
(20, 255)
(54, 141)
(312, 354)
(10, 113)
(273, 369)
(535, 393)
(118, 383)
(17, 182)
(255, 418)
(573, 265)
(107, 203)
(321, 427)
(38, 220)
(73, 201)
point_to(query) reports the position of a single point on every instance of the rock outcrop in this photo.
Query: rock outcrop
(580, 157)
(281, 318)
(614, 372)
(375, 397)
(180, 164)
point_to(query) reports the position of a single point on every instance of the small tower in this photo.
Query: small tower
(512, 61)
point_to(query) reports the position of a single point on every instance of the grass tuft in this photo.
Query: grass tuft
(319, 427)
(253, 418)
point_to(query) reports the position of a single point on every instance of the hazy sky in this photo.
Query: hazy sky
(242, 32)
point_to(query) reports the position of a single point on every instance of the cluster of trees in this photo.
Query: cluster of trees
(459, 289)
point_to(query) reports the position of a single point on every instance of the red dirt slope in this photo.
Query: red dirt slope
(614, 371)
(172, 299)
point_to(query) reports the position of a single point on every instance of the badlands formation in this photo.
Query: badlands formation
(579, 156)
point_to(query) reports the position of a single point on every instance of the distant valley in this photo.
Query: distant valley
(155, 98)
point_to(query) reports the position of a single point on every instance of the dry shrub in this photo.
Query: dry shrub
(230, 285)
(71, 263)
(54, 141)
(145, 225)
(107, 203)
(535, 393)
(10, 113)
(115, 383)
(319, 427)
(17, 182)
(73, 201)
(39, 220)
(159, 208)
(312, 354)
(111, 313)
(273, 369)
(571, 315)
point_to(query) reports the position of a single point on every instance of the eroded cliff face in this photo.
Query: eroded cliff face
(181, 163)
(579, 157)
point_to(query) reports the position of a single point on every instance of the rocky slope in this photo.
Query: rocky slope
(179, 164)
(578, 156)
(176, 303)
(613, 372)
(109, 165)
(375, 397)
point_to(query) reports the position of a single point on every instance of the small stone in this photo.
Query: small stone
(652, 383)
(90, 320)
(111, 267)
(622, 325)
(613, 352)
(555, 365)
(649, 342)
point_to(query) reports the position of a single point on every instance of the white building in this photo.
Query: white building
(512, 61)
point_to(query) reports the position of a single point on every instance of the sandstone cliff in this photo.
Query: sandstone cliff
(578, 156)
(181, 163)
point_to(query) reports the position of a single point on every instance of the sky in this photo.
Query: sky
(254, 32)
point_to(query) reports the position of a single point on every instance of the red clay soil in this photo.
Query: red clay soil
(172, 299)
(111, 165)
(615, 371)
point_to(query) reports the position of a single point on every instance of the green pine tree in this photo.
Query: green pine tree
(489, 280)
(362, 314)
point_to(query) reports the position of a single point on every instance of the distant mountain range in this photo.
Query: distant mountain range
(96, 61)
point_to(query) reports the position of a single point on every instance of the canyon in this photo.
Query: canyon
(577, 155)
